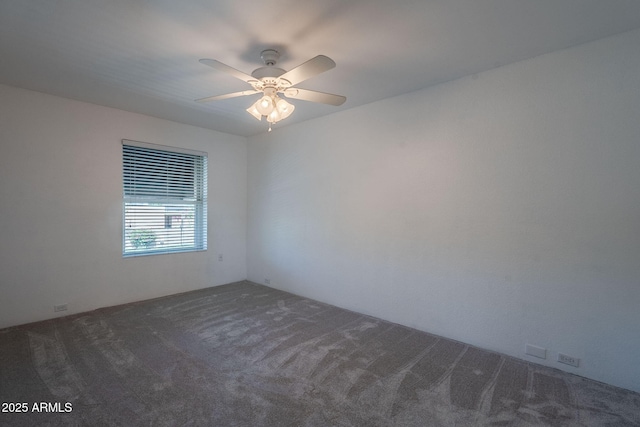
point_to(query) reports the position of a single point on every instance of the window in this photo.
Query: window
(165, 199)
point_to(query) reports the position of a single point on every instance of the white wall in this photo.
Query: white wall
(61, 208)
(499, 209)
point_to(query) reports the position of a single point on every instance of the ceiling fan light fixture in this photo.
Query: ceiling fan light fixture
(274, 116)
(284, 108)
(272, 107)
(265, 105)
(253, 110)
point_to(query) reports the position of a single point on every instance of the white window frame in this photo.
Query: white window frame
(153, 189)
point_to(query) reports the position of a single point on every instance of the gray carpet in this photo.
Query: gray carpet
(247, 355)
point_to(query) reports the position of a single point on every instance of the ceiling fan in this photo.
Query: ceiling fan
(271, 81)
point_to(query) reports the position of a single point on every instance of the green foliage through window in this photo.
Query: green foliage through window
(144, 238)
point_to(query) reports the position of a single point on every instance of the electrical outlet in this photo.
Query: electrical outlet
(60, 307)
(535, 351)
(568, 360)
(267, 281)
(219, 257)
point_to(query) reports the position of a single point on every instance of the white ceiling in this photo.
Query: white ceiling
(142, 55)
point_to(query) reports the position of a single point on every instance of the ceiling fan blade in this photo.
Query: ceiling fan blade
(227, 69)
(228, 95)
(313, 96)
(311, 68)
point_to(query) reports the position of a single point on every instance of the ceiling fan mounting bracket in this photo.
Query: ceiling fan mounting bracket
(269, 73)
(270, 57)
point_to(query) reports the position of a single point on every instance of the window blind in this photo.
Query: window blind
(165, 199)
